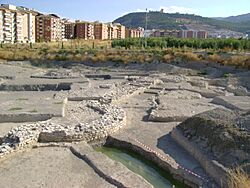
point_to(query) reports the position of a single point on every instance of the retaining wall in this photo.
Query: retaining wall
(213, 168)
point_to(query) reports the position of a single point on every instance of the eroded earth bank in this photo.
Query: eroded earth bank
(191, 121)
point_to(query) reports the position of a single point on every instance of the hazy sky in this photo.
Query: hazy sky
(108, 10)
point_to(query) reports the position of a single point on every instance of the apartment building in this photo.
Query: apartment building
(193, 34)
(166, 33)
(49, 28)
(84, 30)
(201, 34)
(121, 31)
(112, 31)
(23, 25)
(17, 24)
(70, 32)
(134, 33)
(101, 31)
(180, 34)
(248, 34)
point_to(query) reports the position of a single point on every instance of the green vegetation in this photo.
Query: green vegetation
(15, 109)
(239, 18)
(167, 42)
(33, 111)
(58, 102)
(105, 69)
(22, 99)
(226, 75)
(158, 20)
(167, 50)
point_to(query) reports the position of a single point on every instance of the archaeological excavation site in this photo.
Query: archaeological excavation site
(91, 125)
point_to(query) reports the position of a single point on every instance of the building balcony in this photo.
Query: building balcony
(7, 29)
(7, 24)
(7, 20)
(7, 38)
(6, 15)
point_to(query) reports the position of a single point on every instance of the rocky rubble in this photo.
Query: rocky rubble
(59, 74)
(112, 119)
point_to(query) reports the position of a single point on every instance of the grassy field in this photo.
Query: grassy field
(102, 51)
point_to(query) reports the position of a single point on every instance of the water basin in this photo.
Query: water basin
(146, 169)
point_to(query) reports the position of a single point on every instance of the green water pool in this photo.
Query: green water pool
(150, 172)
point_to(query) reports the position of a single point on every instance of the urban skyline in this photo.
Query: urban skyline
(109, 10)
(21, 24)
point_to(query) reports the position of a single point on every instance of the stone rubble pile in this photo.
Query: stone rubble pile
(25, 136)
(126, 89)
(61, 74)
(175, 78)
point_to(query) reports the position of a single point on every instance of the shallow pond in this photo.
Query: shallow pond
(150, 172)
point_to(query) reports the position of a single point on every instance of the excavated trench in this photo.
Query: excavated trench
(144, 168)
(139, 163)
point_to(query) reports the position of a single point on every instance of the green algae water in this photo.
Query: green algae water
(150, 172)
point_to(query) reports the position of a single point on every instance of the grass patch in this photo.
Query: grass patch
(105, 69)
(33, 111)
(15, 109)
(58, 102)
(226, 75)
(202, 73)
(22, 99)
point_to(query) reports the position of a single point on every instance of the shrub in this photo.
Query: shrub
(214, 58)
(238, 178)
(187, 56)
(168, 58)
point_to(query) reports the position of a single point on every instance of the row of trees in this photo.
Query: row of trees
(216, 44)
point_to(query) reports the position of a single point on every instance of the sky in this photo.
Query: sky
(109, 10)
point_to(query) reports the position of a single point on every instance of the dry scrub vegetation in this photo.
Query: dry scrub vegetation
(238, 179)
(101, 51)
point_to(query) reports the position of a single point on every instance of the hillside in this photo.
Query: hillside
(158, 20)
(239, 18)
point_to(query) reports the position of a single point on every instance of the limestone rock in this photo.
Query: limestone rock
(238, 90)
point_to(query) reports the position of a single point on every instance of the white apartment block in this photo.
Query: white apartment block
(17, 24)
(121, 31)
(112, 31)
